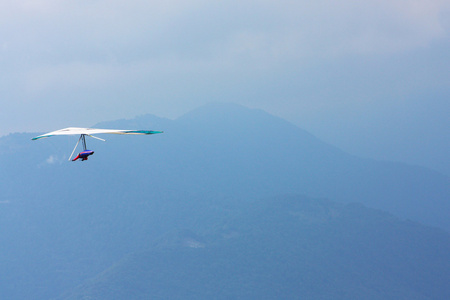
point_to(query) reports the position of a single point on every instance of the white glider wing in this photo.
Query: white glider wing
(90, 131)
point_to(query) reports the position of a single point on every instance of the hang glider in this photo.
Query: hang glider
(83, 132)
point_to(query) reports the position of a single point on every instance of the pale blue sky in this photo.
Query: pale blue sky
(372, 77)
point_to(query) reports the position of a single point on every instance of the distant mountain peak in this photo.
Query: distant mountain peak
(227, 116)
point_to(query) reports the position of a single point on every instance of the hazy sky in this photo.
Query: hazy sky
(372, 77)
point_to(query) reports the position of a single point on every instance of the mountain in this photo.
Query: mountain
(63, 222)
(285, 248)
(232, 150)
(219, 146)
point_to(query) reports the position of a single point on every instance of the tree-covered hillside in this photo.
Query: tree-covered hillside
(285, 248)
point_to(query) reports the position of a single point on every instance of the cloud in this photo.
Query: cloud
(53, 159)
(50, 44)
(324, 29)
(58, 32)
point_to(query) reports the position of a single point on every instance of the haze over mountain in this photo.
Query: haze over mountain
(62, 223)
(233, 150)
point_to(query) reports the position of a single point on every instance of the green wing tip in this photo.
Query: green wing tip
(143, 131)
(40, 137)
